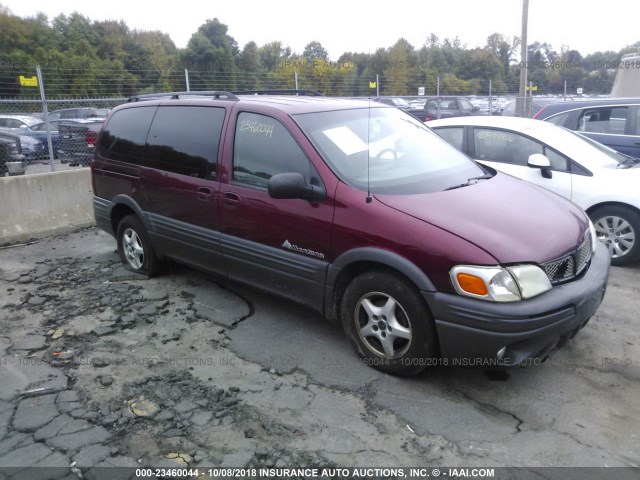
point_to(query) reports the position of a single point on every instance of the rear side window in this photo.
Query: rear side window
(185, 140)
(124, 136)
(558, 161)
(453, 135)
(449, 104)
(610, 120)
(560, 119)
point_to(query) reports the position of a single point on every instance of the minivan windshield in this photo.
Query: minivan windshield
(387, 151)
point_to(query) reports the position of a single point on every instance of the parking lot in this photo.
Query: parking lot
(101, 367)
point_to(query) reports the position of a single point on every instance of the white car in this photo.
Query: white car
(16, 122)
(600, 180)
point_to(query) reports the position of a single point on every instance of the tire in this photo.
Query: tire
(389, 324)
(618, 227)
(135, 248)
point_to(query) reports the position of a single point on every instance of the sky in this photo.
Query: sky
(364, 26)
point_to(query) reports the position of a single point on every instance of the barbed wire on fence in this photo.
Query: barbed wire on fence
(332, 80)
(103, 90)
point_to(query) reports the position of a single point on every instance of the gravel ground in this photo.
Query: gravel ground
(102, 368)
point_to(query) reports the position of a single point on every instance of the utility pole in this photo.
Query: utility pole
(522, 94)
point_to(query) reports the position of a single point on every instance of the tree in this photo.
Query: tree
(216, 33)
(249, 67)
(315, 50)
(112, 39)
(479, 64)
(432, 41)
(357, 60)
(154, 56)
(271, 53)
(504, 49)
(210, 57)
(76, 29)
(400, 63)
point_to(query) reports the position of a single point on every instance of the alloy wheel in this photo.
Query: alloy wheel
(383, 325)
(133, 249)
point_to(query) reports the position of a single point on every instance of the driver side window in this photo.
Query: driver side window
(503, 146)
(262, 148)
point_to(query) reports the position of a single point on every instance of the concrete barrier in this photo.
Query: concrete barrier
(43, 204)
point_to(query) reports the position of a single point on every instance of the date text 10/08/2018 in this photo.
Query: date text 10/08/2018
(224, 473)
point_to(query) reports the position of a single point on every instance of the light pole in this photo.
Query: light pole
(522, 94)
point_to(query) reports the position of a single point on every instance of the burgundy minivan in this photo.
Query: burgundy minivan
(355, 210)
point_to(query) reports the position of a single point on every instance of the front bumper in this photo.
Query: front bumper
(476, 330)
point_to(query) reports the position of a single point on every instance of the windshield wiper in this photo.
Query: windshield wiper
(470, 181)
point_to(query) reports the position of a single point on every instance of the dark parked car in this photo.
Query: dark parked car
(76, 140)
(12, 162)
(30, 147)
(614, 122)
(401, 104)
(358, 212)
(39, 132)
(17, 122)
(446, 107)
(533, 105)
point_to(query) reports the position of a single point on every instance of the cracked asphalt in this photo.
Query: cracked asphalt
(101, 367)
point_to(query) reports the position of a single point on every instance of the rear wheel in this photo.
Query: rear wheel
(134, 247)
(618, 228)
(388, 323)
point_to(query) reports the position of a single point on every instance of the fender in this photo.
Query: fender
(376, 255)
(103, 209)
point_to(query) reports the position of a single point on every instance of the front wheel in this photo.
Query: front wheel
(618, 227)
(134, 247)
(388, 323)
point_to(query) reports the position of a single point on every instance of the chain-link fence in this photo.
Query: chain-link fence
(64, 138)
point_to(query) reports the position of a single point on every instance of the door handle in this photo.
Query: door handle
(232, 199)
(205, 193)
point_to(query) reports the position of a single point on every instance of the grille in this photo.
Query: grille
(568, 267)
(583, 254)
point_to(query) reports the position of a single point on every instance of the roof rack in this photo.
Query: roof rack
(216, 94)
(308, 93)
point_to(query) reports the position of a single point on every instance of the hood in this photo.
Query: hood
(512, 220)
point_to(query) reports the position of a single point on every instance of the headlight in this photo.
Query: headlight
(500, 284)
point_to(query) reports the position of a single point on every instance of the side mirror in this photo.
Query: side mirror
(476, 108)
(537, 160)
(293, 185)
